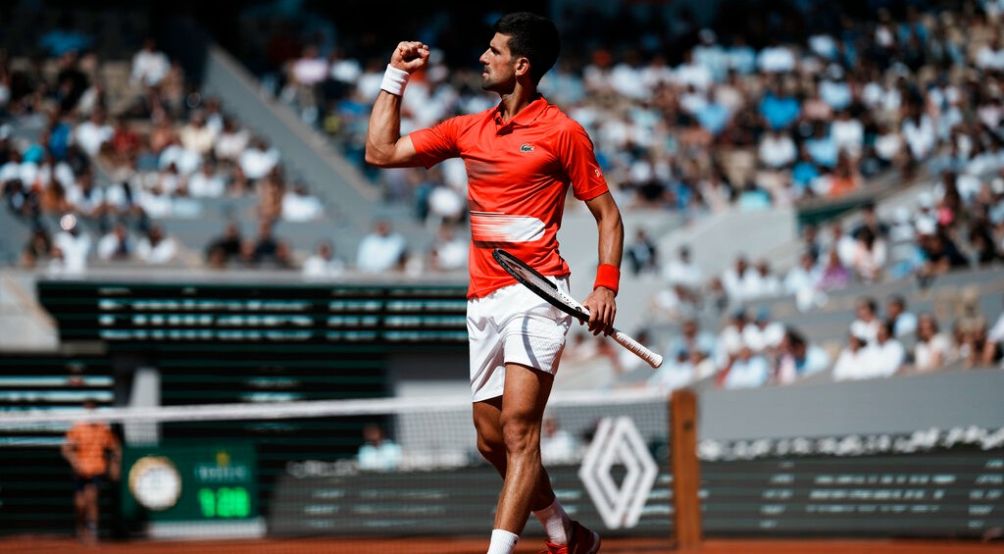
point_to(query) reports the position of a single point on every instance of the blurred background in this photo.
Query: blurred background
(813, 195)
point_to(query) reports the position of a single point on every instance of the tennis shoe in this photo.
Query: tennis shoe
(581, 541)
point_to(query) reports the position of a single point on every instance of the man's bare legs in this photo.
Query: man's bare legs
(509, 438)
(85, 503)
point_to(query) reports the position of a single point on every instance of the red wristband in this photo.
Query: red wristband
(608, 276)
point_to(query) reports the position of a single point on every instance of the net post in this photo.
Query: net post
(685, 469)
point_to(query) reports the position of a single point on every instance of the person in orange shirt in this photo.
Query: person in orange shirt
(521, 156)
(94, 454)
(845, 178)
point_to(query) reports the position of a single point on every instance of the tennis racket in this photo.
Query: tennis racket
(544, 288)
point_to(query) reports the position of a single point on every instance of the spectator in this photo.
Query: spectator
(886, 355)
(94, 454)
(323, 264)
(679, 370)
(730, 340)
(871, 222)
(125, 142)
(834, 274)
(450, 251)
(683, 271)
(739, 280)
(557, 446)
(763, 335)
(797, 358)
(904, 323)
(777, 150)
(933, 349)
(155, 248)
(382, 250)
(677, 302)
(939, 254)
(852, 363)
(258, 160)
(869, 256)
(867, 323)
(231, 141)
(84, 198)
(207, 182)
(801, 282)
(94, 133)
(38, 247)
(986, 252)
(692, 339)
(196, 136)
(149, 65)
(848, 133)
(156, 202)
(378, 453)
(845, 178)
(777, 107)
(642, 254)
(762, 283)
(993, 350)
(299, 205)
(745, 370)
(115, 245)
(73, 245)
(810, 241)
(267, 249)
(227, 246)
(844, 244)
(306, 74)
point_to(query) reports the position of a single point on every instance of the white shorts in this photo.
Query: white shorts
(513, 325)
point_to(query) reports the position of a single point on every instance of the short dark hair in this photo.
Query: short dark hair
(533, 37)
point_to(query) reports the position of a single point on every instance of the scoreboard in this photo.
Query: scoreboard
(152, 313)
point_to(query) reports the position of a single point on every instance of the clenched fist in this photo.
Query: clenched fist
(410, 56)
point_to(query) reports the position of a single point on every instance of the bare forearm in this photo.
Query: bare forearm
(384, 145)
(384, 129)
(611, 243)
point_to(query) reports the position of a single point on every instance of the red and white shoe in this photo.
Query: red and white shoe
(581, 541)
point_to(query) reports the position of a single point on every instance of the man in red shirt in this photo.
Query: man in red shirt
(521, 157)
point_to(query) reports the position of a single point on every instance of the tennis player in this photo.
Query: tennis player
(88, 447)
(521, 157)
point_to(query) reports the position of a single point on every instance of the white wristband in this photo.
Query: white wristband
(394, 80)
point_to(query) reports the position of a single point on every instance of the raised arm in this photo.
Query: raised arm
(601, 304)
(385, 147)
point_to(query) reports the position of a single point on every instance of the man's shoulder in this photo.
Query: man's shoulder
(469, 119)
(561, 120)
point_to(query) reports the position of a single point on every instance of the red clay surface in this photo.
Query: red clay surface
(478, 546)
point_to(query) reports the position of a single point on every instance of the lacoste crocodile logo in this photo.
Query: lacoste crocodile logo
(526, 148)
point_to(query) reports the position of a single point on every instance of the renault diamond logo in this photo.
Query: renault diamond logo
(526, 148)
(618, 441)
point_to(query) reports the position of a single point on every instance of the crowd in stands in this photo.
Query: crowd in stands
(759, 351)
(726, 123)
(114, 161)
(116, 157)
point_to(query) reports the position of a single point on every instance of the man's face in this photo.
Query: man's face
(499, 74)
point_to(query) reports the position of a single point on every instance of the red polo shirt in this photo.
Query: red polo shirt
(518, 173)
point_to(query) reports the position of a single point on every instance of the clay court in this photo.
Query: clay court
(477, 546)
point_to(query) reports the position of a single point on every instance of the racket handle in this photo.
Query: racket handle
(637, 348)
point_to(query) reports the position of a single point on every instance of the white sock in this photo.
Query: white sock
(503, 542)
(555, 522)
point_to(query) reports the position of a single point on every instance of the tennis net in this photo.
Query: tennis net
(342, 468)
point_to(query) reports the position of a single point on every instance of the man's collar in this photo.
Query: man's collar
(527, 115)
